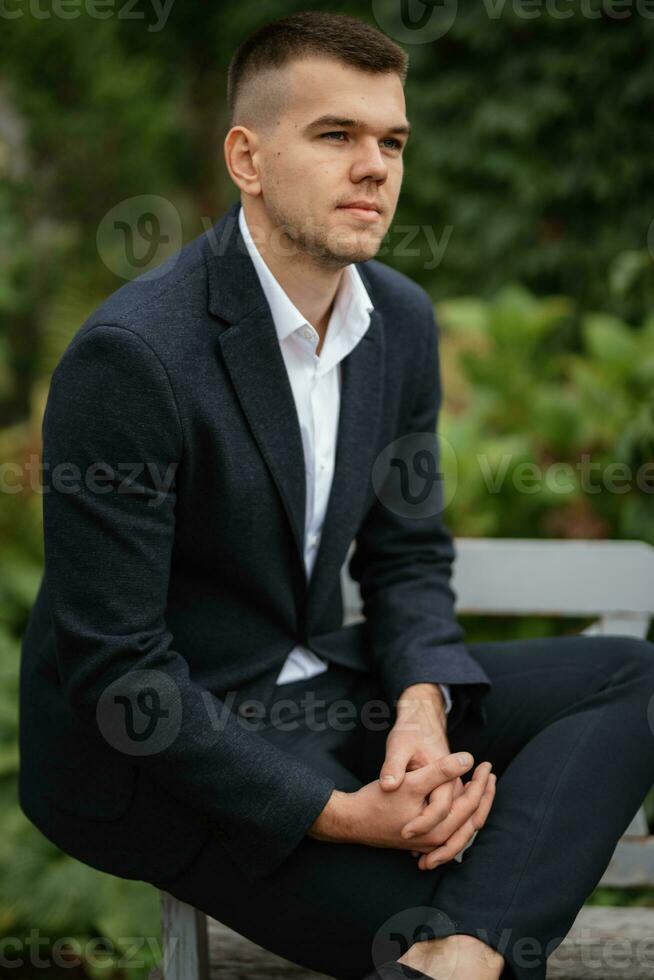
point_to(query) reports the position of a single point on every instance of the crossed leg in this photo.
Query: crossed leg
(568, 732)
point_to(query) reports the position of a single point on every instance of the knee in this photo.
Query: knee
(638, 654)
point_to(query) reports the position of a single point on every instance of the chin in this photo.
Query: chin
(359, 249)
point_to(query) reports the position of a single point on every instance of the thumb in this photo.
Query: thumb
(449, 767)
(392, 772)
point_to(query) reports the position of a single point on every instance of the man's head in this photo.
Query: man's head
(297, 173)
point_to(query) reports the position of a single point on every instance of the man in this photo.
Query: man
(215, 438)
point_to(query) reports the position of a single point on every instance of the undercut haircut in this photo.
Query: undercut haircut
(256, 92)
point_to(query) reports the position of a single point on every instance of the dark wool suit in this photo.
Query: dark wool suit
(174, 588)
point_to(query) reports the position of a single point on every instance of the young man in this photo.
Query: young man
(215, 438)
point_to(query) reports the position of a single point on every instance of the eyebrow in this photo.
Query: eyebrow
(352, 124)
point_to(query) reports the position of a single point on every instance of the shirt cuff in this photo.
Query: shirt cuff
(445, 688)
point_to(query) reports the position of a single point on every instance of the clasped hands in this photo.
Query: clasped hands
(450, 813)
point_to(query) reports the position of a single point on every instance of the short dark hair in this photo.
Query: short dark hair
(312, 32)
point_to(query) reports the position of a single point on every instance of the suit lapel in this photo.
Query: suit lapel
(253, 358)
(361, 397)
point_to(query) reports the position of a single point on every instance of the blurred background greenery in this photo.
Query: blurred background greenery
(530, 161)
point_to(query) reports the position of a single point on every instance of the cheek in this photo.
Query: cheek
(296, 176)
(317, 171)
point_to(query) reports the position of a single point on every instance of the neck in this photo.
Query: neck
(310, 285)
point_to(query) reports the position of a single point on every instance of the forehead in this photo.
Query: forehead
(324, 86)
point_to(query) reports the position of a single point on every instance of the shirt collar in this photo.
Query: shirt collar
(352, 304)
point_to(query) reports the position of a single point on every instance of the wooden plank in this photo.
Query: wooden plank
(184, 935)
(632, 864)
(604, 943)
(638, 826)
(553, 577)
(632, 625)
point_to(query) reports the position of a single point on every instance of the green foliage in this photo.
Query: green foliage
(531, 142)
(546, 441)
(47, 893)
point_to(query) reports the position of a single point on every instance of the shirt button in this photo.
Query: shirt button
(307, 332)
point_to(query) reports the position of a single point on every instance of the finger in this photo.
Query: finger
(480, 815)
(478, 818)
(438, 808)
(394, 767)
(467, 804)
(452, 846)
(450, 766)
(459, 788)
(463, 834)
(449, 850)
(462, 807)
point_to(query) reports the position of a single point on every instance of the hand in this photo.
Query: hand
(468, 815)
(417, 739)
(370, 816)
(375, 817)
(434, 798)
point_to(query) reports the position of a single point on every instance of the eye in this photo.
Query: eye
(397, 145)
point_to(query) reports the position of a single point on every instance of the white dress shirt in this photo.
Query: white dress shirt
(316, 384)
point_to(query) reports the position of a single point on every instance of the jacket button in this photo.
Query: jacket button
(247, 710)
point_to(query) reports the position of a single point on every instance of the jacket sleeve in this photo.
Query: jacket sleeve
(403, 558)
(112, 443)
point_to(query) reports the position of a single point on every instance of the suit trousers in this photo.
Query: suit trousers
(568, 730)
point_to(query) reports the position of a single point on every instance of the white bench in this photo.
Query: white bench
(610, 580)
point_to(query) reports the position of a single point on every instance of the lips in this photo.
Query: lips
(362, 212)
(362, 206)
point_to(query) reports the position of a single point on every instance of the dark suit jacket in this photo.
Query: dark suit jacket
(174, 584)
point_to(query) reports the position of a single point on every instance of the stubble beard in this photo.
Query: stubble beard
(323, 245)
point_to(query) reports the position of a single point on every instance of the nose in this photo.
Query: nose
(369, 162)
